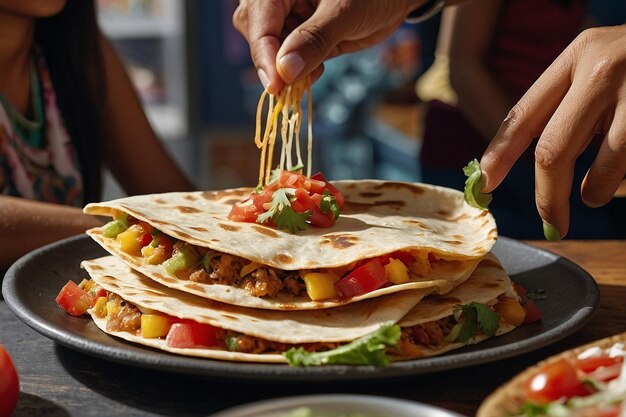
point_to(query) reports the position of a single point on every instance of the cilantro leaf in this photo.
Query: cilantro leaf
(474, 316)
(281, 212)
(329, 203)
(288, 219)
(530, 409)
(538, 295)
(473, 184)
(367, 350)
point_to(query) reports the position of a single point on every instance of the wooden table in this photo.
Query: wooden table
(56, 381)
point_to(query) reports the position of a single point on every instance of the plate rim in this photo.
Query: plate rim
(144, 357)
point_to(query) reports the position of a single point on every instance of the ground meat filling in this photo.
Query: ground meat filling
(262, 282)
(414, 339)
(251, 344)
(127, 319)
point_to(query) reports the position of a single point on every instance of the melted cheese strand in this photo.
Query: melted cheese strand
(288, 108)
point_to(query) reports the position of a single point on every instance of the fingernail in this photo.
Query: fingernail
(551, 233)
(265, 80)
(483, 181)
(292, 65)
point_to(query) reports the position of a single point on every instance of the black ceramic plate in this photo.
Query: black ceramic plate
(32, 283)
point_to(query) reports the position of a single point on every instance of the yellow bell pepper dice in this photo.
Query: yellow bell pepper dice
(129, 240)
(100, 307)
(155, 325)
(397, 271)
(510, 310)
(320, 286)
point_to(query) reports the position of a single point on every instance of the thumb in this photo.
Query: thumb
(308, 45)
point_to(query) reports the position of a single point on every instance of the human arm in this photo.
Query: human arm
(481, 99)
(290, 39)
(132, 151)
(582, 93)
(26, 225)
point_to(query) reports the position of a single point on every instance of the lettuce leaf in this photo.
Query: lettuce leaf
(473, 184)
(367, 350)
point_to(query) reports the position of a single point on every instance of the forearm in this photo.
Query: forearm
(483, 102)
(26, 225)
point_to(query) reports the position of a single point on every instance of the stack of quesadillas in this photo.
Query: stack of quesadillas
(250, 292)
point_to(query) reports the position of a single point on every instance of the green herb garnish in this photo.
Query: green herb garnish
(282, 213)
(367, 350)
(473, 185)
(329, 203)
(474, 316)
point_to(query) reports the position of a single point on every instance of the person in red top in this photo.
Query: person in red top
(497, 49)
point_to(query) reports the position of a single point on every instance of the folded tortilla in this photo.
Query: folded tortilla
(379, 218)
(509, 398)
(337, 325)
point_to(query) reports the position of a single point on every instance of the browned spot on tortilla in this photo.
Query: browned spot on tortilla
(191, 197)
(165, 278)
(199, 229)
(215, 240)
(216, 195)
(187, 209)
(489, 285)
(160, 201)
(229, 227)
(458, 237)
(443, 213)
(96, 267)
(369, 194)
(339, 241)
(485, 223)
(453, 242)
(390, 185)
(417, 223)
(231, 201)
(286, 307)
(158, 222)
(283, 258)
(193, 286)
(265, 231)
(484, 213)
(183, 235)
(493, 231)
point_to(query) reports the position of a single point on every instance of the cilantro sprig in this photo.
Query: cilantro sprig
(367, 350)
(283, 215)
(474, 316)
(473, 185)
(329, 204)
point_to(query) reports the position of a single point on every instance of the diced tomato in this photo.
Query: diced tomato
(243, 211)
(305, 200)
(145, 239)
(362, 280)
(315, 186)
(554, 381)
(191, 335)
(588, 365)
(331, 189)
(533, 313)
(320, 219)
(521, 291)
(73, 299)
(9, 384)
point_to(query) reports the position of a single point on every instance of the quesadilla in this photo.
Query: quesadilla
(133, 306)
(588, 381)
(428, 234)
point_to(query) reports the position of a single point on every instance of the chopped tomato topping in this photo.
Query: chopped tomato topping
(555, 380)
(190, 334)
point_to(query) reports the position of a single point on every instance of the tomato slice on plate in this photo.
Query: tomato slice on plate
(555, 380)
(366, 278)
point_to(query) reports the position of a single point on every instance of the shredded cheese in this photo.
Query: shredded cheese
(286, 106)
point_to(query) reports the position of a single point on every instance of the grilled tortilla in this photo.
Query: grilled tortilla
(277, 330)
(379, 218)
